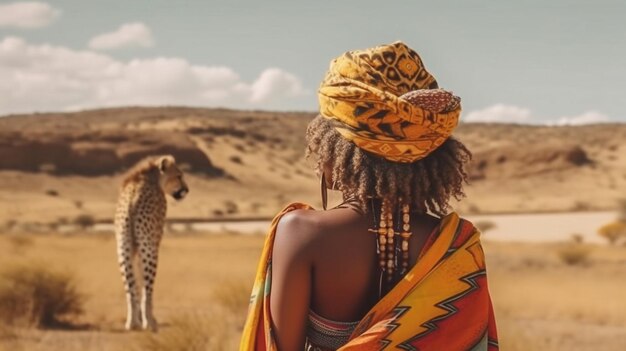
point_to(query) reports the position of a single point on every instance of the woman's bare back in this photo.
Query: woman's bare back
(327, 260)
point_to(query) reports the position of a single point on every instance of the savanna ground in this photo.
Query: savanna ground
(204, 280)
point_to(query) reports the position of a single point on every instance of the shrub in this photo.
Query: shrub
(577, 238)
(613, 232)
(85, 221)
(231, 207)
(485, 225)
(580, 206)
(52, 192)
(574, 254)
(473, 208)
(34, 295)
(10, 225)
(235, 159)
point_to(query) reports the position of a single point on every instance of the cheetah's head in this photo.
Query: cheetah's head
(171, 178)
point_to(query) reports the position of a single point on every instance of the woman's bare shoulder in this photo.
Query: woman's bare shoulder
(305, 227)
(299, 224)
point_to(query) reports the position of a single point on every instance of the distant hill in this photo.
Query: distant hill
(55, 166)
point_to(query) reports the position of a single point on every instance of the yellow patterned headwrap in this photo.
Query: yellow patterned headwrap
(385, 102)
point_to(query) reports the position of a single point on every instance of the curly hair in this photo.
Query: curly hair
(426, 185)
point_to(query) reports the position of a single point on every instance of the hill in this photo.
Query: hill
(57, 166)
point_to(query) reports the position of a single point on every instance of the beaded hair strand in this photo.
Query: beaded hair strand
(391, 243)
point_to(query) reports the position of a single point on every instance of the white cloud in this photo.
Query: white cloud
(275, 82)
(127, 35)
(27, 14)
(500, 113)
(46, 77)
(588, 117)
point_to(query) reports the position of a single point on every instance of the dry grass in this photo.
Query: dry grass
(191, 332)
(614, 232)
(553, 306)
(233, 295)
(34, 295)
(20, 242)
(574, 254)
(202, 280)
(203, 283)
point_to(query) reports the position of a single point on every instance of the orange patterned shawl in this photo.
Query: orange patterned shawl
(442, 303)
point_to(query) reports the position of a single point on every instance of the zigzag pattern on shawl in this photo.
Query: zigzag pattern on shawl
(391, 326)
(446, 305)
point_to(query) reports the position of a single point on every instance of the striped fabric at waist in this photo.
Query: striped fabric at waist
(324, 334)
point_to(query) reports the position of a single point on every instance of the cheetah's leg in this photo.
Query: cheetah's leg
(148, 262)
(125, 254)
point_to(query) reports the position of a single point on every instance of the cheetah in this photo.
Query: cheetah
(139, 220)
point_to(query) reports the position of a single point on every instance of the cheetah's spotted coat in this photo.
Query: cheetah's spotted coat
(139, 223)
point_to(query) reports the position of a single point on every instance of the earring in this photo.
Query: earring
(324, 191)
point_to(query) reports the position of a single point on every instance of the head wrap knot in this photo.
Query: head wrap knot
(384, 100)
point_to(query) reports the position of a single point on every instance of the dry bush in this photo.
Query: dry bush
(188, 333)
(231, 207)
(574, 254)
(34, 295)
(613, 232)
(577, 238)
(52, 192)
(233, 296)
(85, 221)
(9, 225)
(255, 206)
(485, 225)
(235, 159)
(581, 206)
(20, 242)
(473, 209)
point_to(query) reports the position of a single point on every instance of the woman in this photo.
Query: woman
(388, 268)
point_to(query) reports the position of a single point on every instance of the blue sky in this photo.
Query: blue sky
(561, 61)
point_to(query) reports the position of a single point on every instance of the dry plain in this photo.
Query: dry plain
(59, 169)
(203, 283)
